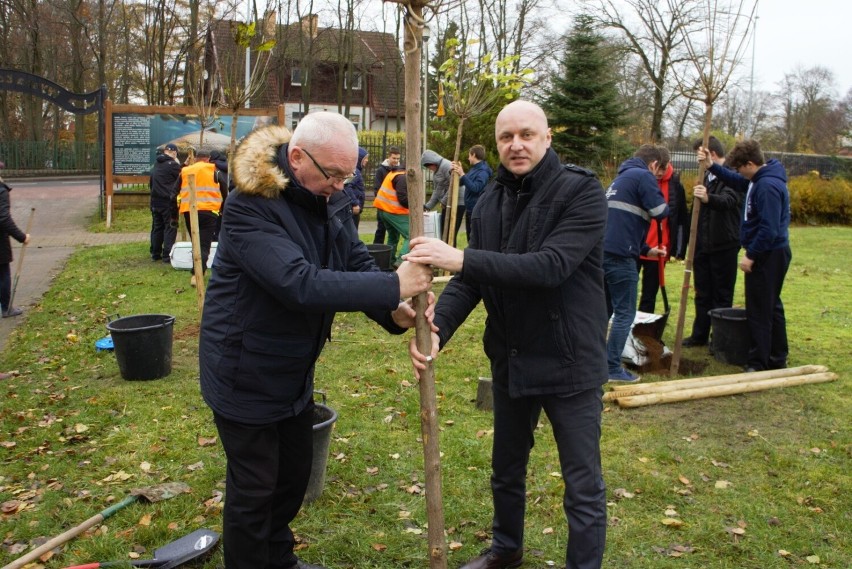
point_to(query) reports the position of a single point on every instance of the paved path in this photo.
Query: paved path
(63, 210)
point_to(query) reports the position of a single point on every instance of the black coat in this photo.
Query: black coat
(719, 218)
(286, 262)
(536, 260)
(8, 228)
(165, 182)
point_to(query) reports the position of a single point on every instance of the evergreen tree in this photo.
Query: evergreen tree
(582, 104)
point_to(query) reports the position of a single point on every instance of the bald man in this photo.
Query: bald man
(535, 260)
(288, 259)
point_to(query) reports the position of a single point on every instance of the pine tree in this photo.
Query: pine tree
(582, 104)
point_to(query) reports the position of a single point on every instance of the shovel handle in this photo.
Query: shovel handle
(21, 259)
(70, 534)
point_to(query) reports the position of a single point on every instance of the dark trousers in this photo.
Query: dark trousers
(576, 423)
(765, 311)
(207, 227)
(445, 213)
(163, 232)
(268, 471)
(379, 237)
(5, 286)
(715, 278)
(649, 270)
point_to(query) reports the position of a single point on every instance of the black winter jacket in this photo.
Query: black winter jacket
(165, 182)
(286, 262)
(719, 218)
(536, 260)
(8, 228)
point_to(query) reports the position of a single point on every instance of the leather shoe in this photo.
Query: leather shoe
(491, 560)
(302, 565)
(691, 342)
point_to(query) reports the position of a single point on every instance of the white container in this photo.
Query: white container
(181, 255)
(431, 224)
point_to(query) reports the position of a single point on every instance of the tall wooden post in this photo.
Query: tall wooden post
(416, 197)
(196, 243)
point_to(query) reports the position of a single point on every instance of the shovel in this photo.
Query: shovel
(188, 548)
(656, 328)
(20, 261)
(149, 494)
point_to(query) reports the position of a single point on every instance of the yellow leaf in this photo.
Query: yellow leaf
(547, 531)
(672, 522)
(81, 428)
(206, 441)
(145, 520)
(784, 553)
(722, 484)
(684, 480)
(379, 546)
(813, 559)
(455, 546)
(145, 467)
(643, 459)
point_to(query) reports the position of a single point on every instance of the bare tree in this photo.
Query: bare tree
(807, 96)
(714, 55)
(655, 33)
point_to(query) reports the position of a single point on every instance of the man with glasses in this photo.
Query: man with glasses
(288, 258)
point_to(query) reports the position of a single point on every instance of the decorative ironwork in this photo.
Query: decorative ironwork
(76, 103)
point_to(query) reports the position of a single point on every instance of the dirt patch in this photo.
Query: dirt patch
(660, 364)
(191, 331)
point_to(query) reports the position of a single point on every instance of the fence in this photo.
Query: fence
(683, 159)
(46, 158)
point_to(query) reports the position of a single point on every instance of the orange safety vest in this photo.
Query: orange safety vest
(386, 199)
(208, 197)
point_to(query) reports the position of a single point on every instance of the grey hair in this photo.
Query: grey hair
(321, 128)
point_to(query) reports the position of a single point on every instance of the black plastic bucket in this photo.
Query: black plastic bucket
(381, 255)
(731, 339)
(143, 345)
(324, 419)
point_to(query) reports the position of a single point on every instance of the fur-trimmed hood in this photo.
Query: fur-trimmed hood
(255, 169)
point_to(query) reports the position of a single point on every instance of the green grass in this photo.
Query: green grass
(68, 422)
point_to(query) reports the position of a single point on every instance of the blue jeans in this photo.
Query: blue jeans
(622, 281)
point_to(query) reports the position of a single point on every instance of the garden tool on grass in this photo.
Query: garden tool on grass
(149, 494)
(188, 548)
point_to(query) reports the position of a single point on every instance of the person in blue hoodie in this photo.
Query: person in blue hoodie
(764, 236)
(633, 199)
(355, 188)
(474, 181)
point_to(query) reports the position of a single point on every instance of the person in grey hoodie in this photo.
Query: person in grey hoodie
(442, 171)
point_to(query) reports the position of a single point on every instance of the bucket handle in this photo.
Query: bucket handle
(110, 318)
(321, 394)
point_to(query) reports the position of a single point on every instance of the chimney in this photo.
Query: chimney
(310, 25)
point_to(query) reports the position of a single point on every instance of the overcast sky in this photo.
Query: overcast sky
(806, 33)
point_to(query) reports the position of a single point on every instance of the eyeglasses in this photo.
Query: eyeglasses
(342, 179)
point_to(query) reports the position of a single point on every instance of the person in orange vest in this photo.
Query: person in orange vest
(208, 198)
(391, 205)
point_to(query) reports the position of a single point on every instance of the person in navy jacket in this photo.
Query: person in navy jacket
(633, 199)
(288, 259)
(355, 188)
(474, 181)
(764, 236)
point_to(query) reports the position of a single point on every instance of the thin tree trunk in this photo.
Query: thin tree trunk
(690, 250)
(428, 395)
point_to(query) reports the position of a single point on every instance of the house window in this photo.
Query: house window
(352, 81)
(297, 116)
(356, 120)
(296, 78)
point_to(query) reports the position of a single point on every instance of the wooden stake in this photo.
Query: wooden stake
(196, 243)
(721, 390)
(678, 384)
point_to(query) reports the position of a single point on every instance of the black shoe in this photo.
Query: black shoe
(491, 560)
(691, 342)
(167, 260)
(302, 565)
(155, 259)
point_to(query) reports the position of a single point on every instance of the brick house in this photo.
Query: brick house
(356, 73)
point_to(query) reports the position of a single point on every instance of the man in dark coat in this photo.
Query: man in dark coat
(288, 259)
(535, 260)
(8, 228)
(164, 185)
(717, 246)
